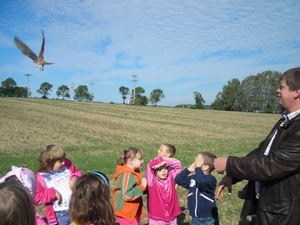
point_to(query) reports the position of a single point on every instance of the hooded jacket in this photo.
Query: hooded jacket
(127, 193)
(278, 173)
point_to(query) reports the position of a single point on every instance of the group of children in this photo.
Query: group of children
(72, 198)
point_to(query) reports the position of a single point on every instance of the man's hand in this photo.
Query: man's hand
(225, 182)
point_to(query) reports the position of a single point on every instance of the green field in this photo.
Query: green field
(94, 135)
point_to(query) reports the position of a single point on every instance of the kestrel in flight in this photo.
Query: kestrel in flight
(39, 60)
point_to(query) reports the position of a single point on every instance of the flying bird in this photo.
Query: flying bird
(39, 60)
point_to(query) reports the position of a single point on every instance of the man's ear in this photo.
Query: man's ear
(297, 93)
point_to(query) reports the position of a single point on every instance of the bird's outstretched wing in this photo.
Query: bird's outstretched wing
(25, 49)
(41, 54)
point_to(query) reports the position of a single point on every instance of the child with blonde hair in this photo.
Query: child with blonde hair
(55, 181)
(90, 201)
(129, 187)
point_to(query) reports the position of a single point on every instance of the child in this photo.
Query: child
(16, 205)
(167, 152)
(55, 180)
(90, 201)
(129, 188)
(163, 206)
(25, 178)
(201, 185)
(22, 176)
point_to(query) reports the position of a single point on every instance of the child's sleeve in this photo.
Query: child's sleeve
(175, 164)
(182, 178)
(43, 195)
(155, 161)
(150, 171)
(75, 172)
(131, 190)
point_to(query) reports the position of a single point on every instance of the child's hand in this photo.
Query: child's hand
(144, 182)
(192, 167)
(199, 161)
(159, 165)
(59, 197)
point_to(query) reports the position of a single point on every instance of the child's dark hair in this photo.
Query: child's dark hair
(49, 155)
(209, 160)
(16, 205)
(171, 148)
(129, 153)
(90, 200)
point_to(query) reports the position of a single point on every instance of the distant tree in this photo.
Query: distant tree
(231, 96)
(199, 100)
(141, 100)
(21, 92)
(254, 93)
(9, 87)
(260, 92)
(63, 91)
(9, 83)
(137, 94)
(124, 92)
(45, 89)
(156, 95)
(2, 91)
(82, 94)
(219, 102)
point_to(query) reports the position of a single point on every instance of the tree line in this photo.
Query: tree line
(9, 88)
(254, 93)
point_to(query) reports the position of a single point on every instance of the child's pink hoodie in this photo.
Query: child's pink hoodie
(162, 196)
(45, 195)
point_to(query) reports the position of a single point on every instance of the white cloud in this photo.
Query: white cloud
(179, 45)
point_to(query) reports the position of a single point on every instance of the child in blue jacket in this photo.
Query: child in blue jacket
(202, 186)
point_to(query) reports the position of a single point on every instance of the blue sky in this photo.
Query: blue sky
(177, 46)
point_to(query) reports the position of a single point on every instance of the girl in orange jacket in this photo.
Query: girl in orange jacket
(129, 188)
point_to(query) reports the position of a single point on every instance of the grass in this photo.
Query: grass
(95, 134)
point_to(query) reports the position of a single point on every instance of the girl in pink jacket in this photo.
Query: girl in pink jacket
(163, 206)
(55, 180)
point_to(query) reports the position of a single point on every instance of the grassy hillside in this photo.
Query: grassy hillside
(95, 134)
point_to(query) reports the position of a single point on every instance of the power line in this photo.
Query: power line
(134, 80)
(92, 84)
(28, 84)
